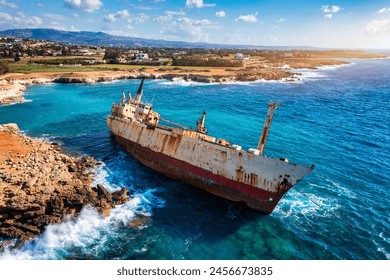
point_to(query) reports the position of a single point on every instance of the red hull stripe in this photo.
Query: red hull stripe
(219, 185)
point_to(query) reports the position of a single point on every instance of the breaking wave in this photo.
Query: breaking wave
(335, 67)
(18, 102)
(184, 83)
(90, 231)
(188, 83)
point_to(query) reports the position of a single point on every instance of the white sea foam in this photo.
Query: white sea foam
(18, 102)
(335, 67)
(184, 83)
(380, 58)
(340, 190)
(115, 81)
(189, 83)
(381, 248)
(89, 231)
(311, 75)
(297, 204)
(47, 138)
(100, 177)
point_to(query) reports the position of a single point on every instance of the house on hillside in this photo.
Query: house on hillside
(141, 57)
(241, 56)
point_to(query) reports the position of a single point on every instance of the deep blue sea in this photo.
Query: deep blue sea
(337, 118)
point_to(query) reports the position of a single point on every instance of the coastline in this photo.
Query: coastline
(13, 85)
(40, 185)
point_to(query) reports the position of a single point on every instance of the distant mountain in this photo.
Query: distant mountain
(104, 39)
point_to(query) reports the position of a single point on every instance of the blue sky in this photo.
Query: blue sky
(319, 23)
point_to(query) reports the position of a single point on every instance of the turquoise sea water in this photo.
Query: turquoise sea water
(335, 118)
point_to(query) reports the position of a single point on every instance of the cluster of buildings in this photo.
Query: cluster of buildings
(15, 47)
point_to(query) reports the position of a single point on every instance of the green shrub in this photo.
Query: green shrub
(4, 68)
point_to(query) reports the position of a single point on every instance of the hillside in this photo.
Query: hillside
(104, 39)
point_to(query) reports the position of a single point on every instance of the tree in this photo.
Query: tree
(111, 54)
(4, 67)
(17, 58)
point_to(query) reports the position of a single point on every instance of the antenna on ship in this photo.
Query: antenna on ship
(267, 125)
(200, 127)
(139, 92)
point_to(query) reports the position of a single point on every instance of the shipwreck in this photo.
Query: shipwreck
(196, 158)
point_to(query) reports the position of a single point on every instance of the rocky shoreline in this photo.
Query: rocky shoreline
(12, 86)
(11, 92)
(39, 186)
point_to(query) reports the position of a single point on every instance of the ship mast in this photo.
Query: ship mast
(139, 92)
(267, 125)
(200, 127)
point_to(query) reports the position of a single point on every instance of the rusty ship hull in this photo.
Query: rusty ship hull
(237, 175)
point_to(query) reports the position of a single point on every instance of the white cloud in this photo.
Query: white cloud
(273, 38)
(54, 16)
(175, 13)
(220, 14)
(197, 4)
(18, 20)
(165, 18)
(237, 38)
(383, 10)
(183, 28)
(109, 18)
(72, 28)
(302, 39)
(248, 18)
(281, 20)
(335, 8)
(8, 4)
(378, 27)
(202, 22)
(88, 6)
(124, 14)
(330, 9)
(40, 5)
(118, 15)
(55, 25)
(141, 18)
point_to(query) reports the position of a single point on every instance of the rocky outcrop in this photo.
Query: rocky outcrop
(39, 185)
(11, 92)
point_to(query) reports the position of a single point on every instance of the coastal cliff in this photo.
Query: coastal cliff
(39, 185)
